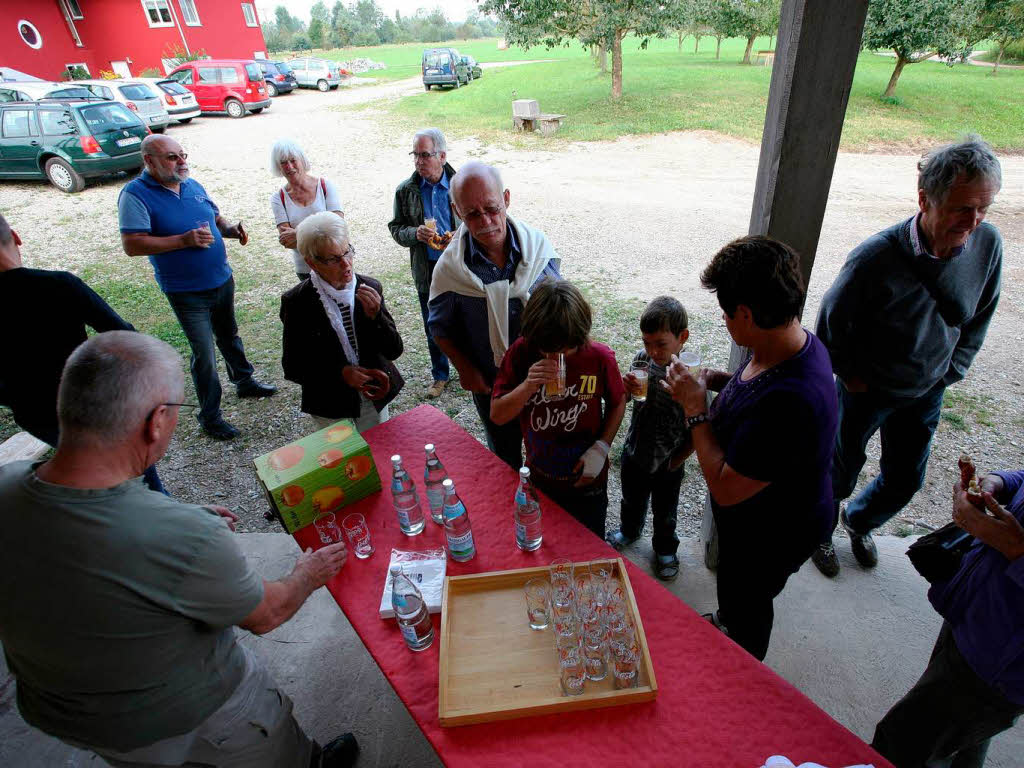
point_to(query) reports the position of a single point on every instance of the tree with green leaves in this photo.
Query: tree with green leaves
(286, 23)
(916, 30)
(744, 18)
(1002, 22)
(592, 22)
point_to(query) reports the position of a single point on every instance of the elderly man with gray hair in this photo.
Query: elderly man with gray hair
(904, 319)
(120, 603)
(423, 210)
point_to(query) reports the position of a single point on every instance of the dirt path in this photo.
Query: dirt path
(632, 218)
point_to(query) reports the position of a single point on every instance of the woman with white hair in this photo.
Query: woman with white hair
(339, 338)
(302, 196)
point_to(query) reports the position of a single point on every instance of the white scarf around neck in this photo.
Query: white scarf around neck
(330, 297)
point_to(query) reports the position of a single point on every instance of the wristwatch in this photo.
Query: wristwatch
(693, 421)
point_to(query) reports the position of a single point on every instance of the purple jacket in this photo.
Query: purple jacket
(984, 604)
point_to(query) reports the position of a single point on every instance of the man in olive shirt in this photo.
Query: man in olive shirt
(120, 603)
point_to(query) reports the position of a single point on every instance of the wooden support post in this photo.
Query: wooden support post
(815, 57)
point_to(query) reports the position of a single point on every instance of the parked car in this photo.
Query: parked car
(279, 76)
(179, 102)
(444, 66)
(234, 86)
(475, 73)
(69, 141)
(138, 96)
(316, 73)
(40, 89)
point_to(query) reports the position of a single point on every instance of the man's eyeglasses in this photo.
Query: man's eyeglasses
(422, 155)
(175, 157)
(346, 256)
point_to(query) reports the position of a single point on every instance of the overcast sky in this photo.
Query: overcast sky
(455, 10)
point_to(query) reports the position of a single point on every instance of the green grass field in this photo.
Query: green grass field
(668, 90)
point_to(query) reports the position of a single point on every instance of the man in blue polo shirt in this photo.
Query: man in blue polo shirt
(167, 216)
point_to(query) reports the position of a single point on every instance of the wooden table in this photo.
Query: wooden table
(716, 705)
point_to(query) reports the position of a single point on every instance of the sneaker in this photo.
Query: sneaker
(713, 619)
(862, 544)
(619, 541)
(435, 389)
(826, 561)
(253, 388)
(340, 753)
(220, 430)
(666, 567)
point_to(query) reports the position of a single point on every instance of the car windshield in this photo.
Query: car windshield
(254, 72)
(137, 92)
(108, 117)
(437, 60)
(69, 93)
(170, 86)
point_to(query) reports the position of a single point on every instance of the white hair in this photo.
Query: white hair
(435, 135)
(112, 382)
(285, 149)
(318, 230)
(970, 159)
(474, 169)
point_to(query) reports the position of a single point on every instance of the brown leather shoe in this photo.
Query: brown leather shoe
(435, 389)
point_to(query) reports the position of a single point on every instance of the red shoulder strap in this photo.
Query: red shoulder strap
(283, 205)
(323, 186)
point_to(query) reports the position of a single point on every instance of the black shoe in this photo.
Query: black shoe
(254, 388)
(619, 541)
(220, 430)
(666, 567)
(824, 558)
(340, 753)
(862, 544)
(715, 622)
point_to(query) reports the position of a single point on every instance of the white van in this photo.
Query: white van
(139, 97)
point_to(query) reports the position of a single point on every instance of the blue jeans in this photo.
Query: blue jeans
(207, 317)
(907, 425)
(438, 361)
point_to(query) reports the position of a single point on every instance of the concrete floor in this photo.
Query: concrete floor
(827, 642)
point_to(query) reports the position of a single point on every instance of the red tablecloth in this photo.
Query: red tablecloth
(716, 705)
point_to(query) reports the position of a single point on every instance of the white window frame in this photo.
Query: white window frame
(157, 5)
(189, 13)
(81, 64)
(39, 36)
(249, 12)
(74, 9)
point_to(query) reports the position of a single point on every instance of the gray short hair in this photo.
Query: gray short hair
(284, 149)
(941, 168)
(472, 170)
(435, 135)
(318, 230)
(112, 382)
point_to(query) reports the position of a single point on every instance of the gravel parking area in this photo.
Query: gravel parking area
(632, 219)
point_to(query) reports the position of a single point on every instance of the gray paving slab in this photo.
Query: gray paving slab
(854, 645)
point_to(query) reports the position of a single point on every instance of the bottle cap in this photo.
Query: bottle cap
(524, 471)
(396, 459)
(428, 447)
(395, 569)
(447, 483)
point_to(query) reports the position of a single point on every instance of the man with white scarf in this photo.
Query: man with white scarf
(339, 338)
(479, 288)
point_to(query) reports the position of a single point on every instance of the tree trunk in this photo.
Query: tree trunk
(617, 65)
(718, 47)
(696, 42)
(750, 45)
(602, 57)
(771, 39)
(680, 35)
(891, 88)
(999, 57)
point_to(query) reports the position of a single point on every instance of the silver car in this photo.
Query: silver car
(316, 73)
(140, 98)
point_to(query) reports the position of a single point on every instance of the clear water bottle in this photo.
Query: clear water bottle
(433, 475)
(410, 611)
(456, 525)
(407, 501)
(528, 530)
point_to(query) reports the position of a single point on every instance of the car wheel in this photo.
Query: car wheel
(63, 176)
(426, 87)
(185, 120)
(257, 110)
(234, 108)
(271, 90)
(159, 129)
(322, 86)
(458, 83)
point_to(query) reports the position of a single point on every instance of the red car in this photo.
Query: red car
(234, 86)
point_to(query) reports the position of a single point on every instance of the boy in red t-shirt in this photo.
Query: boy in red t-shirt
(566, 434)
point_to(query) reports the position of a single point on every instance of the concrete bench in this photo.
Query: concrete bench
(21, 447)
(768, 56)
(548, 125)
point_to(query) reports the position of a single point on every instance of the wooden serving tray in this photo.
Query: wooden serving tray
(494, 667)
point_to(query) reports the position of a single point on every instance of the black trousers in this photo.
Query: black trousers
(947, 718)
(505, 440)
(661, 487)
(588, 504)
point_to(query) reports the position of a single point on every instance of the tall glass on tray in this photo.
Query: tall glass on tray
(406, 500)
(434, 474)
(527, 515)
(457, 529)
(410, 611)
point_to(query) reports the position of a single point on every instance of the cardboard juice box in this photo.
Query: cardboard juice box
(319, 473)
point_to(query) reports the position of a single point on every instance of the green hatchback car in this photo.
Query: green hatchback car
(68, 141)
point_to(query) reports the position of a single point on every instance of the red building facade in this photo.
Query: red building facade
(43, 37)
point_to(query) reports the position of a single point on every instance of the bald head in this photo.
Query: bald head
(164, 159)
(476, 173)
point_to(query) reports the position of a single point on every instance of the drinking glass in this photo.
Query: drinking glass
(358, 535)
(327, 527)
(204, 224)
(692, 362)
(573, 672)
(640, 370)
(594, 652)
(625, 666)
(564, 620)
(602, 571)
(555, 389)
(538, 609)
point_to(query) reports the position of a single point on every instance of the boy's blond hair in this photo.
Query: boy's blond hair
(556, 317)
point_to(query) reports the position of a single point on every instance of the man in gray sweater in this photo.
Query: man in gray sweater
(904, 319)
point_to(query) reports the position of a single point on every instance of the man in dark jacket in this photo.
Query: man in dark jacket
(339, 338)
(426, 196)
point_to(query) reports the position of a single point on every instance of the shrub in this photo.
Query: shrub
(151, 72)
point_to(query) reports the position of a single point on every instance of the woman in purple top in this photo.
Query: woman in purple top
(765, 447)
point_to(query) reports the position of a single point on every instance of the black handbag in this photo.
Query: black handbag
(937, 556)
